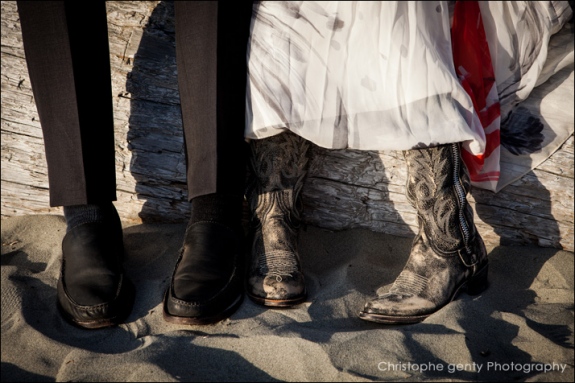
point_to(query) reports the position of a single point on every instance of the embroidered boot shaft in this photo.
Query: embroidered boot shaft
(448, 254)
(278, 166)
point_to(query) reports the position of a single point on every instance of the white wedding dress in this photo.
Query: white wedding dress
(380, 75)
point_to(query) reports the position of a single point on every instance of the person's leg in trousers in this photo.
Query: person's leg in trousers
(211, 46)
(66, 46)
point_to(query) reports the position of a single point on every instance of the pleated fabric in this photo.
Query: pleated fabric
(382, 76)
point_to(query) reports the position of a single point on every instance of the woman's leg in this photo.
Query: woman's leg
(448, 254)
(278, 165)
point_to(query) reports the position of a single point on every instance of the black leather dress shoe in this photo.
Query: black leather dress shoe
(206, 285)
(92, 290)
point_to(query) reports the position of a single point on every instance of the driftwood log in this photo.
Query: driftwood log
(344, 188)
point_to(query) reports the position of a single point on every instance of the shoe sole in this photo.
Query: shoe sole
(89, 325)
(473, 286)
(278, 303)
(203, 320)
(128, 295)
(95, 324)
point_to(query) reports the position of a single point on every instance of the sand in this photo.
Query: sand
(520, 326)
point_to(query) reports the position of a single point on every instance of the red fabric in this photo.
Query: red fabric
(474, 68)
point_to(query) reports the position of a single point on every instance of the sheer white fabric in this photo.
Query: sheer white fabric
(363, 75)
(380, 75)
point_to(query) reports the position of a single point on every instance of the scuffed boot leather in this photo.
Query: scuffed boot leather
(448, 254)
(278, 165)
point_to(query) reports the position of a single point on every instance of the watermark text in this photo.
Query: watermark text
(451, 368)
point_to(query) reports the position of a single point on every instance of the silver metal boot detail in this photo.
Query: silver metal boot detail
(448, 254)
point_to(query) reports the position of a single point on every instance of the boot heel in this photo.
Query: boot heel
(478, 283)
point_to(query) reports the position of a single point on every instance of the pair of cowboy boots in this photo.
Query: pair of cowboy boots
(447, 255)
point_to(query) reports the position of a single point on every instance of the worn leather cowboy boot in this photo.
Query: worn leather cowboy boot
(278, 165)
(448, 254)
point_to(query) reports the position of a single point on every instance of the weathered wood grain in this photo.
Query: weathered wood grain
(344, 189)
